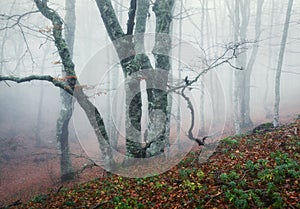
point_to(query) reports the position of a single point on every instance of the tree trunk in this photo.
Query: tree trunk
(236, 87)
(280, 62)
(90, 110)
(62, 127)
(39, 114)
(156, 85)
(201, 106)
(244, 75)
(178, 111)
(246, 111)
(268, 111)
(241, 92)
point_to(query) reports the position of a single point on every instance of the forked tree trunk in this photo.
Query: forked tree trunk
(156, 85)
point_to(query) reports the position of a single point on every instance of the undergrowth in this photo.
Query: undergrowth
(259, 170)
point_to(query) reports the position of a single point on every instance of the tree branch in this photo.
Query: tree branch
(17, 21)
(53, 80)
(223, 59)
(110, 20)
(228, 55)
(131, 17)
(60, 43)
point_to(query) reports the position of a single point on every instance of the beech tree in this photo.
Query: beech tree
(136, 66)
(240, 11)
(280, 62)
(130, 63)
(62, 130)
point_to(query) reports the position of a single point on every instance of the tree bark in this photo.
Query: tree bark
(246, 122)
(236, 83)
(62, 126)
(40, 109)
(91, 111)
(280, 62)
(156, 86)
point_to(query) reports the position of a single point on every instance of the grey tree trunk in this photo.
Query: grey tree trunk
(202, 122)
(133, 63)
(156, 86)
(62, 127)
(244, 76)
(236, 87)
(40, 107)
(132, 86)
(246, 105)
(267, 109)
(90, 110)
(241, 91)
(280, 62)
(178, 111)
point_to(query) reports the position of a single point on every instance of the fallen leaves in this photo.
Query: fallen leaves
(247, 171)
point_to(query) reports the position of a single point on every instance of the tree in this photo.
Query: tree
(136, 66)
(241, 89)
(132, 63)
(268, 112)
(62, 126)
(280, 62)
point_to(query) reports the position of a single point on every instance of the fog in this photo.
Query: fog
(201, 33)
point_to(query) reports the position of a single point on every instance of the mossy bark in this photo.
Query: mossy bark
(91, 111)
(156, 86)
(62, 127)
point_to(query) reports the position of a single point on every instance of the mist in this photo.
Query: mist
(202, 31)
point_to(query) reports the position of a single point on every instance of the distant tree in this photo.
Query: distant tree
(267, 109)
(241, 11)
(280, 62)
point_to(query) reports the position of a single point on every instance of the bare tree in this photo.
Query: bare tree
(62, 126)
(135, 65)
(245, 107)
(242, 79)
(268, 111)
(41, 100)
(280, 62)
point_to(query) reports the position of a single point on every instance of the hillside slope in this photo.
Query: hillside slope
(259, 170)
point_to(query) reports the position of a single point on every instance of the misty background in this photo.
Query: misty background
(28, 52)
(206, 25)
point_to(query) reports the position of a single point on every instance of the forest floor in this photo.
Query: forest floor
(255, 170)
(27, 170)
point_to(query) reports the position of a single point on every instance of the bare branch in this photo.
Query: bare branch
(190, 106)
(131, 17)
(56, 82)
(17, 19)
(27, 45)
(228, 55)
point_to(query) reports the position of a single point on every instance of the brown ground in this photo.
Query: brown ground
(26, 170)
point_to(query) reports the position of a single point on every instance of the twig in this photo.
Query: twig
(212, 197)
(17, 20)
(16, 203)
(99, 205)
